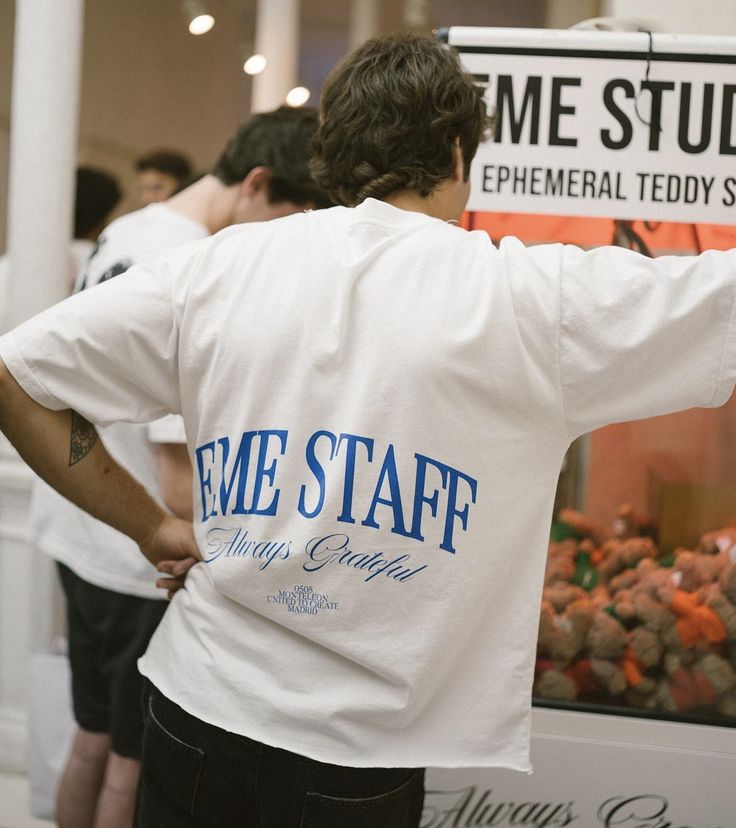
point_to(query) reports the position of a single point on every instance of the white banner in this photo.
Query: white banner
(593, 771)
(618, 125)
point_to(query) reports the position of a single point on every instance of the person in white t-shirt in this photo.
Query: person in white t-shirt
(113, 606)
(377, 404)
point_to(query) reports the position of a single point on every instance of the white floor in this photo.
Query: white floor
(14, 804)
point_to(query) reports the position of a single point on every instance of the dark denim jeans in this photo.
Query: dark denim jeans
(194, 774)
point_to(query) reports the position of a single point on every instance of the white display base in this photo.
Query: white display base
(596, 771)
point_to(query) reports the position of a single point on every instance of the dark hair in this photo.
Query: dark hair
(390, 114)
(169, 162)
(279, 140)
(97, 194)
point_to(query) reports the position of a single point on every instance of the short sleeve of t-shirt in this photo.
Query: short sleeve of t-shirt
(109, 353)
(641, 337)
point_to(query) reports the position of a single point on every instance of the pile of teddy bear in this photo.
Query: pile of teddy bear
(621, 625)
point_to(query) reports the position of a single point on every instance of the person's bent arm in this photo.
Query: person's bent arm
(63, 449)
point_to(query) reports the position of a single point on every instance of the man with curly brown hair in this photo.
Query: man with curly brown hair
(377, 405)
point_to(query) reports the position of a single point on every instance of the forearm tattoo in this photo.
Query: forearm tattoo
(83, 438)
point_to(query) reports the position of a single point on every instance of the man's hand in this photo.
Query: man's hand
(171, 548)
(173, 582)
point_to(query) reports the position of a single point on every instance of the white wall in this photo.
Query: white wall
(147, 83)
(678, 16)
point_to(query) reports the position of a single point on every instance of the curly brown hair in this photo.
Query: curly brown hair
(390, 114)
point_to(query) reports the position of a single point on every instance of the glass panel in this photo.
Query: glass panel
(639, 608)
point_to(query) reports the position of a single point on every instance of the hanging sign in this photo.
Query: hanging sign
(612, 124)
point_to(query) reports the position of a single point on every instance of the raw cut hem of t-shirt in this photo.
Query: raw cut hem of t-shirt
(103, 579)
(523, 765)
(23, 375)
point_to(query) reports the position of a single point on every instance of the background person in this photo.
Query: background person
(97, 195)
(160, 174)
(113, 606)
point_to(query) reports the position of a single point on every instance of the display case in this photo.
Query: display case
(639, 607)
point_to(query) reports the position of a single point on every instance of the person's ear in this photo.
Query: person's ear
(256, 182)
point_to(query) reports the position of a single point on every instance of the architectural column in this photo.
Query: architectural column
(277, 39)
(43, 139)
(364, 21)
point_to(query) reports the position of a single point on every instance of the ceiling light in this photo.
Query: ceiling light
(201, 24)
(298, 96)
(199, 20)
(254, 65)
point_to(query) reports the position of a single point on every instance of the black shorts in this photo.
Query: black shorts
(108, 632)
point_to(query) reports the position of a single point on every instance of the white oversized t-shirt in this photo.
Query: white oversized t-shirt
(377, 405)
(96, 552)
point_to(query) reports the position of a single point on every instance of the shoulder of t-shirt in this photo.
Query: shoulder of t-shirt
(161, 213)
(149, 221)
(511, 246)
(148, 233)
(307, 221)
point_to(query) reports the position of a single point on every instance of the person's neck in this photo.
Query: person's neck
(207, 201)
(436, 204)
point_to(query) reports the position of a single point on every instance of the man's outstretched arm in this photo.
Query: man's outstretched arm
(63, 449)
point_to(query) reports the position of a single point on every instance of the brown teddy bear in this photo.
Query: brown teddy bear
(703, 684)
(622, 607)
(651, 576)
(582, 526)
(716, 600)
(644, 648)
(552, 683)
(719, 541)
(560, 561)
(653, 614)
(627, 579)
(561, 639)
(620, 555)
(606, 643)
(562, 635)
(629, 523)
(691, 571)
(560, 595)
(727, 580)
(696, 625)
